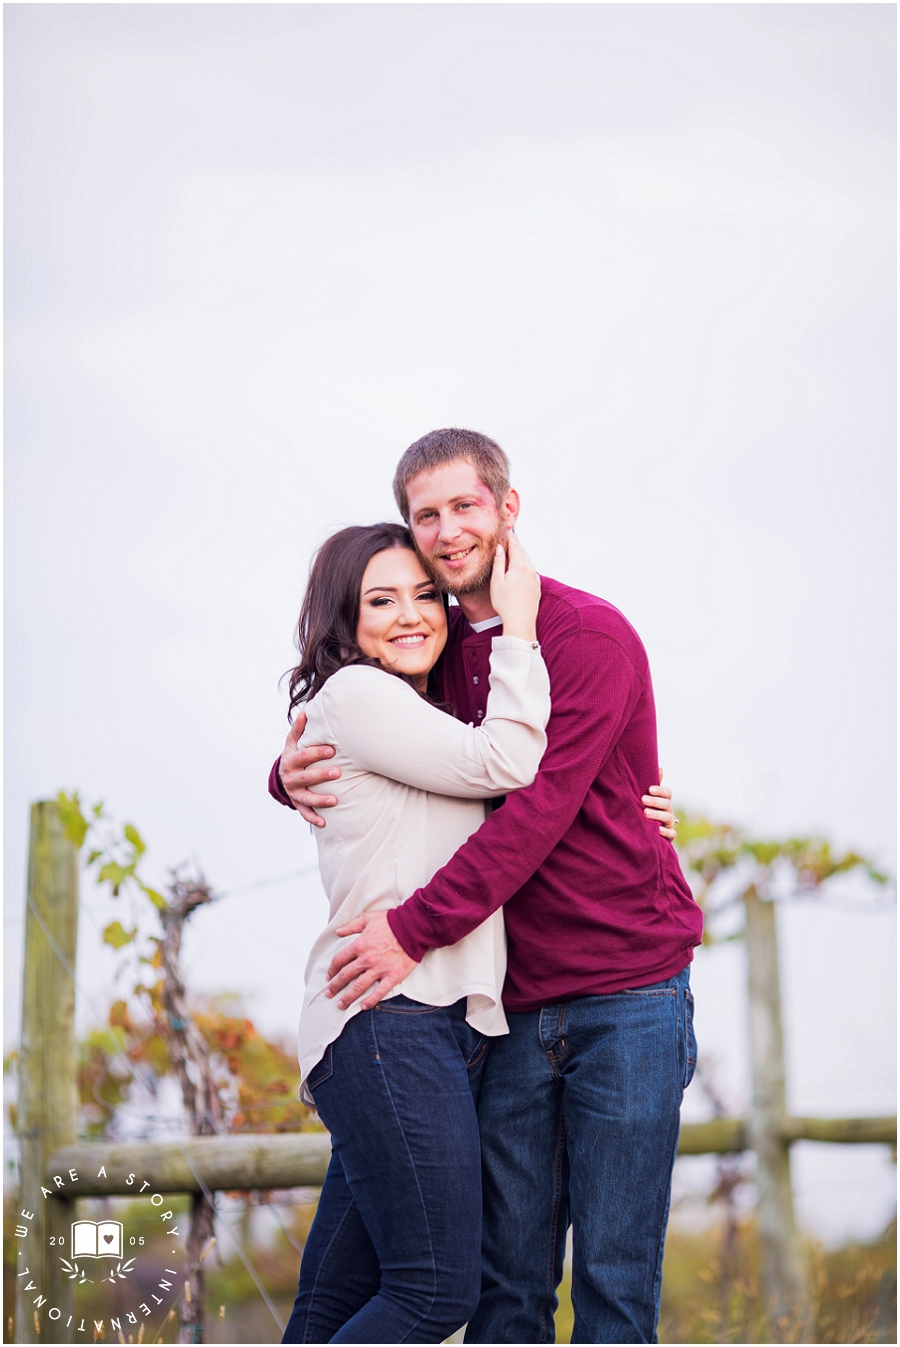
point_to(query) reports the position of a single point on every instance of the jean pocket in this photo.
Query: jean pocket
(478, 1053)
(402, 1005)
(690, 1041)
(652, 989)
(321, 1071)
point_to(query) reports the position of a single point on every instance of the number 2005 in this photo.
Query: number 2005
(61, 1239)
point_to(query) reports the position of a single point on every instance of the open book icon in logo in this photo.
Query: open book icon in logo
(97, 1239)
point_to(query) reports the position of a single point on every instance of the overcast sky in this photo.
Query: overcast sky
(253, 251)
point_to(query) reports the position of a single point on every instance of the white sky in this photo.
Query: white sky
(255, 250)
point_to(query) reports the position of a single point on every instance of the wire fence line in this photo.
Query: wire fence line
(10, 923)
(838, 901)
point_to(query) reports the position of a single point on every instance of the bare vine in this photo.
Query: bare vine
(190, 1058)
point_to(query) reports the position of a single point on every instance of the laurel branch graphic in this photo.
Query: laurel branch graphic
(74, 1271)
(121, 1270)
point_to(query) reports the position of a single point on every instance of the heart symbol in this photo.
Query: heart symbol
(109, 1238)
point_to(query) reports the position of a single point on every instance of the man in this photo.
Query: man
(580, 1106)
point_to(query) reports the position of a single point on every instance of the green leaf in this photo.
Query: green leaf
(116, 935)
(94, 855)
(134, 837)
(97, 809)
(75, 825)
(765, 852)
(156, 898)
(114, 874)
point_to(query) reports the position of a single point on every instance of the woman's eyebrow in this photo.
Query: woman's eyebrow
(392, 589)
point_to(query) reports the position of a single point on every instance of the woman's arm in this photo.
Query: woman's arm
(385, 727)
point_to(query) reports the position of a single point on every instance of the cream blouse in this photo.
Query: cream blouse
(413, 782)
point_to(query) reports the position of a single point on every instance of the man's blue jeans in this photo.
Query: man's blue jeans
(394, 1252)
(579, 1117)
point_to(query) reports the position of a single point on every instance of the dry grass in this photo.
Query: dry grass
(708, 1299)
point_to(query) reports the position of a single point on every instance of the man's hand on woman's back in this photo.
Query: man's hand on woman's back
(303, 767)
(658, 805)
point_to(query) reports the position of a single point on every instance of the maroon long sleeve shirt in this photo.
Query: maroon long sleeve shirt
(595, 900)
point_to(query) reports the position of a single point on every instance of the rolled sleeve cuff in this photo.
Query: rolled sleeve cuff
(412, 928)
(514, 643)
(276, 787)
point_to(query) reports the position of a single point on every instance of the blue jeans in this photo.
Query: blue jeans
(579, 1119)
(394, 1252)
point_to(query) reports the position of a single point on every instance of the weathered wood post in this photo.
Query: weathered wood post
(783, 1274)
(47, 1106)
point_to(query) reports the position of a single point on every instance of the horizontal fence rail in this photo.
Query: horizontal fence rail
(300, 1159)
(844, 1131)
(721, 1136)
(288, 1160)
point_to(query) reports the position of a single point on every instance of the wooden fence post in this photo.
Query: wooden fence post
(47, 1106)
(784, 1281)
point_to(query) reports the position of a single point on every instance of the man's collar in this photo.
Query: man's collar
(487, 623)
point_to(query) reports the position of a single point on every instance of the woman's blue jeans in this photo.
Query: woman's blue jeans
(394, 1253)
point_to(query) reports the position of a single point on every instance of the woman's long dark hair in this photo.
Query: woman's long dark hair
(329, 615)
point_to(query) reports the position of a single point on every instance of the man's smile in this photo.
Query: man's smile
(458, 557)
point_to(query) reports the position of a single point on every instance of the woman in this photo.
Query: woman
(394, 1253)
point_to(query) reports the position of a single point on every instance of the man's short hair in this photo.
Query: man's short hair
(446, 446)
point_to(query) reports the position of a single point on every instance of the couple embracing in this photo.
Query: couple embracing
(497, 1026)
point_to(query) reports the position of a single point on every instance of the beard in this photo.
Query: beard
(482, 577)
